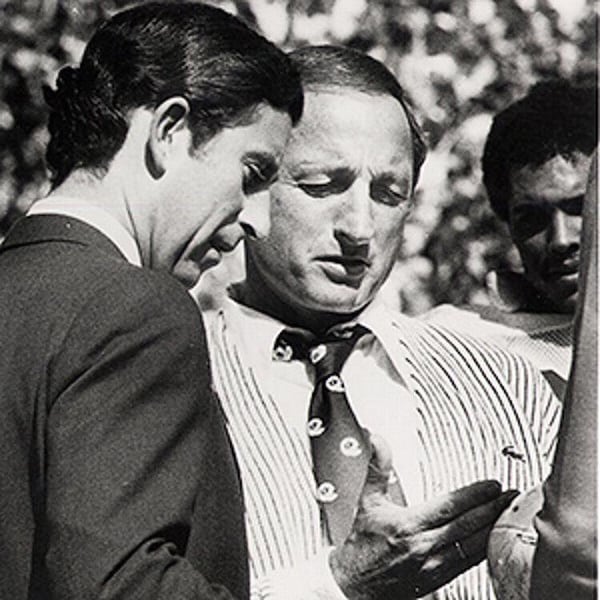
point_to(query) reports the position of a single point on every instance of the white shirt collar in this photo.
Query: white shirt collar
(258, 331)
(94, 216)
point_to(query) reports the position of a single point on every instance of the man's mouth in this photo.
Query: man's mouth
(344, 268)
(569, 267)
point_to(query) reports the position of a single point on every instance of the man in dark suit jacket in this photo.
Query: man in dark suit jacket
(114, 458)
(116, 474)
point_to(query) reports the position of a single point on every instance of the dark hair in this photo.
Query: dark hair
(148, 53)
(337, 66)
(554, 118)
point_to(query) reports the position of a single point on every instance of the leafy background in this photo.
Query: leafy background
(459, 60)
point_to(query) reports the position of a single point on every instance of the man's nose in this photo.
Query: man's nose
(355, 217)
(255, 218)
(564, 234)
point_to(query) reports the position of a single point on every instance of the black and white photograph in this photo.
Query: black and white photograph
(298, 299)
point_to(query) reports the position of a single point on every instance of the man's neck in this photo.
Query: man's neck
(93, 191)
(264, 300)
(512, 292)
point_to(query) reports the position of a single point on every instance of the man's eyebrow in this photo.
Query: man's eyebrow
(332, 168)
(572, 201)
(399, 177)
(392, 175)
(574, 198)
(530, 200)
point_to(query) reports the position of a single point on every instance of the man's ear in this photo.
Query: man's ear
(168, 134)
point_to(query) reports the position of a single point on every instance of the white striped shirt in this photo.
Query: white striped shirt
(453, 410)
(544, 339)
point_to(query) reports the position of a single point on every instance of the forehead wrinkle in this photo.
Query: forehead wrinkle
(396, 170)
(344, 138)
(305, 151)
(554, 180)
(332, 152)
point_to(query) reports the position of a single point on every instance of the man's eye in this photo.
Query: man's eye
(317, 179)
(321, 186)
(391, 194)
(529, 221)
(255, 179)
(572, 206)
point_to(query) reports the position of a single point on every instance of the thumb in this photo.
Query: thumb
(380, 467)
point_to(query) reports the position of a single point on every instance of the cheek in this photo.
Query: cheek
(219, 188)
(532, 251)
(574, 226)
(296, 225)
(226, 195)
(389, 237)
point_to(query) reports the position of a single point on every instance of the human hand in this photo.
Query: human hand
(402, 553)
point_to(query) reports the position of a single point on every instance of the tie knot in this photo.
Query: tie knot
(327, 353)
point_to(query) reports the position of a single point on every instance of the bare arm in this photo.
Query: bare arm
(565, 560)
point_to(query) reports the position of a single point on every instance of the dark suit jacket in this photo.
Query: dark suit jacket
(116, 474)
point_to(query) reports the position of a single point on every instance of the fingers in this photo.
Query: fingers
(380, 466)
(474, 519)
(452, 560)
(465, 548)
(448, 507)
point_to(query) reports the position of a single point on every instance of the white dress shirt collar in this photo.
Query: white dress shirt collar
(378, 376)
(94, 216)
(258, 331)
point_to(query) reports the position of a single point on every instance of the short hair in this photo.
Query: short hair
(554, 118)
(146, 54)
(341, 67)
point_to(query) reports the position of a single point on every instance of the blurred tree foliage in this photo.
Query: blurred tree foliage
(460, 62)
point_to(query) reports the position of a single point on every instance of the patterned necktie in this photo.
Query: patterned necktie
(340, 449)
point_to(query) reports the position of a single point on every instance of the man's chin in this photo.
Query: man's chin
(560, 292)
(568, 305)
(344, 304)
(562, 300)
(187, 274)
